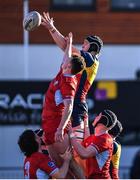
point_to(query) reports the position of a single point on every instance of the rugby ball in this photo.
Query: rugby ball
(31, 21)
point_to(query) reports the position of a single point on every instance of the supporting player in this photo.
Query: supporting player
(97, 149)
(115, 160)
(38, 165)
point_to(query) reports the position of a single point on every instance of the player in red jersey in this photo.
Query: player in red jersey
(36, 164)
(59, 97)
(115, 160)
(58, 104)
(97, 149)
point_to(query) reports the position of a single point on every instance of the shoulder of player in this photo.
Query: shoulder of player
(89, 58)
(89, 139)
(116, 147)
(69, 78)
(86, 54)
(106, 135)
(116, 144)
(41, 155)
(105, 138)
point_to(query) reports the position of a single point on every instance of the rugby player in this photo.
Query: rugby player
(58, 104)
(38, 165)
(115, 160)
(97, 148)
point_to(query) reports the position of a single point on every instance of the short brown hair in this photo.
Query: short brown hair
(78, 64)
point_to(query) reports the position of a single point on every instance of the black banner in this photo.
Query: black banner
(21, 102)
(123, 98)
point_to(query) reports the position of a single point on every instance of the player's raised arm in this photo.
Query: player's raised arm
(61, 174)
(84, 152)
(68, 50)
(59, 39)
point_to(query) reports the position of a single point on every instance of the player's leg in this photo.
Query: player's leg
(55, 148)
(58, 148)
(79, 116)
(79, 133)
(80, 112)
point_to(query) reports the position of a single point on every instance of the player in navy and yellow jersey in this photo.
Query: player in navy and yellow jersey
(85, 80)
(90, 51)
(115, 160)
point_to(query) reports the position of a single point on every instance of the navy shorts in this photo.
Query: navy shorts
(80, 111)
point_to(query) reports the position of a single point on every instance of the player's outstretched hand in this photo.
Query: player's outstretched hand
(67, 156)
(47, 21)
(69, 128)
(59, 135)
(69, 38)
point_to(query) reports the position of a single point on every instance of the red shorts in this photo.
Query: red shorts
(49, 137)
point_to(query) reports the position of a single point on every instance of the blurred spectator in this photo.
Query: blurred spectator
(135, 169)
(138, 74)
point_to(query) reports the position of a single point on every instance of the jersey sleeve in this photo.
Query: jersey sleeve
(102, 144)
(89, 59)
(47, 165)
(99, 143)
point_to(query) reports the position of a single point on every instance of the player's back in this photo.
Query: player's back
(87, 76)
(49, 106)
(62, 87)
(98, 166)
(115, 160)
(38, 166)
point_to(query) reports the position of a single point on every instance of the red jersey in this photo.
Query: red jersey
(98, 166)
(39, 166)
(62, 87)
